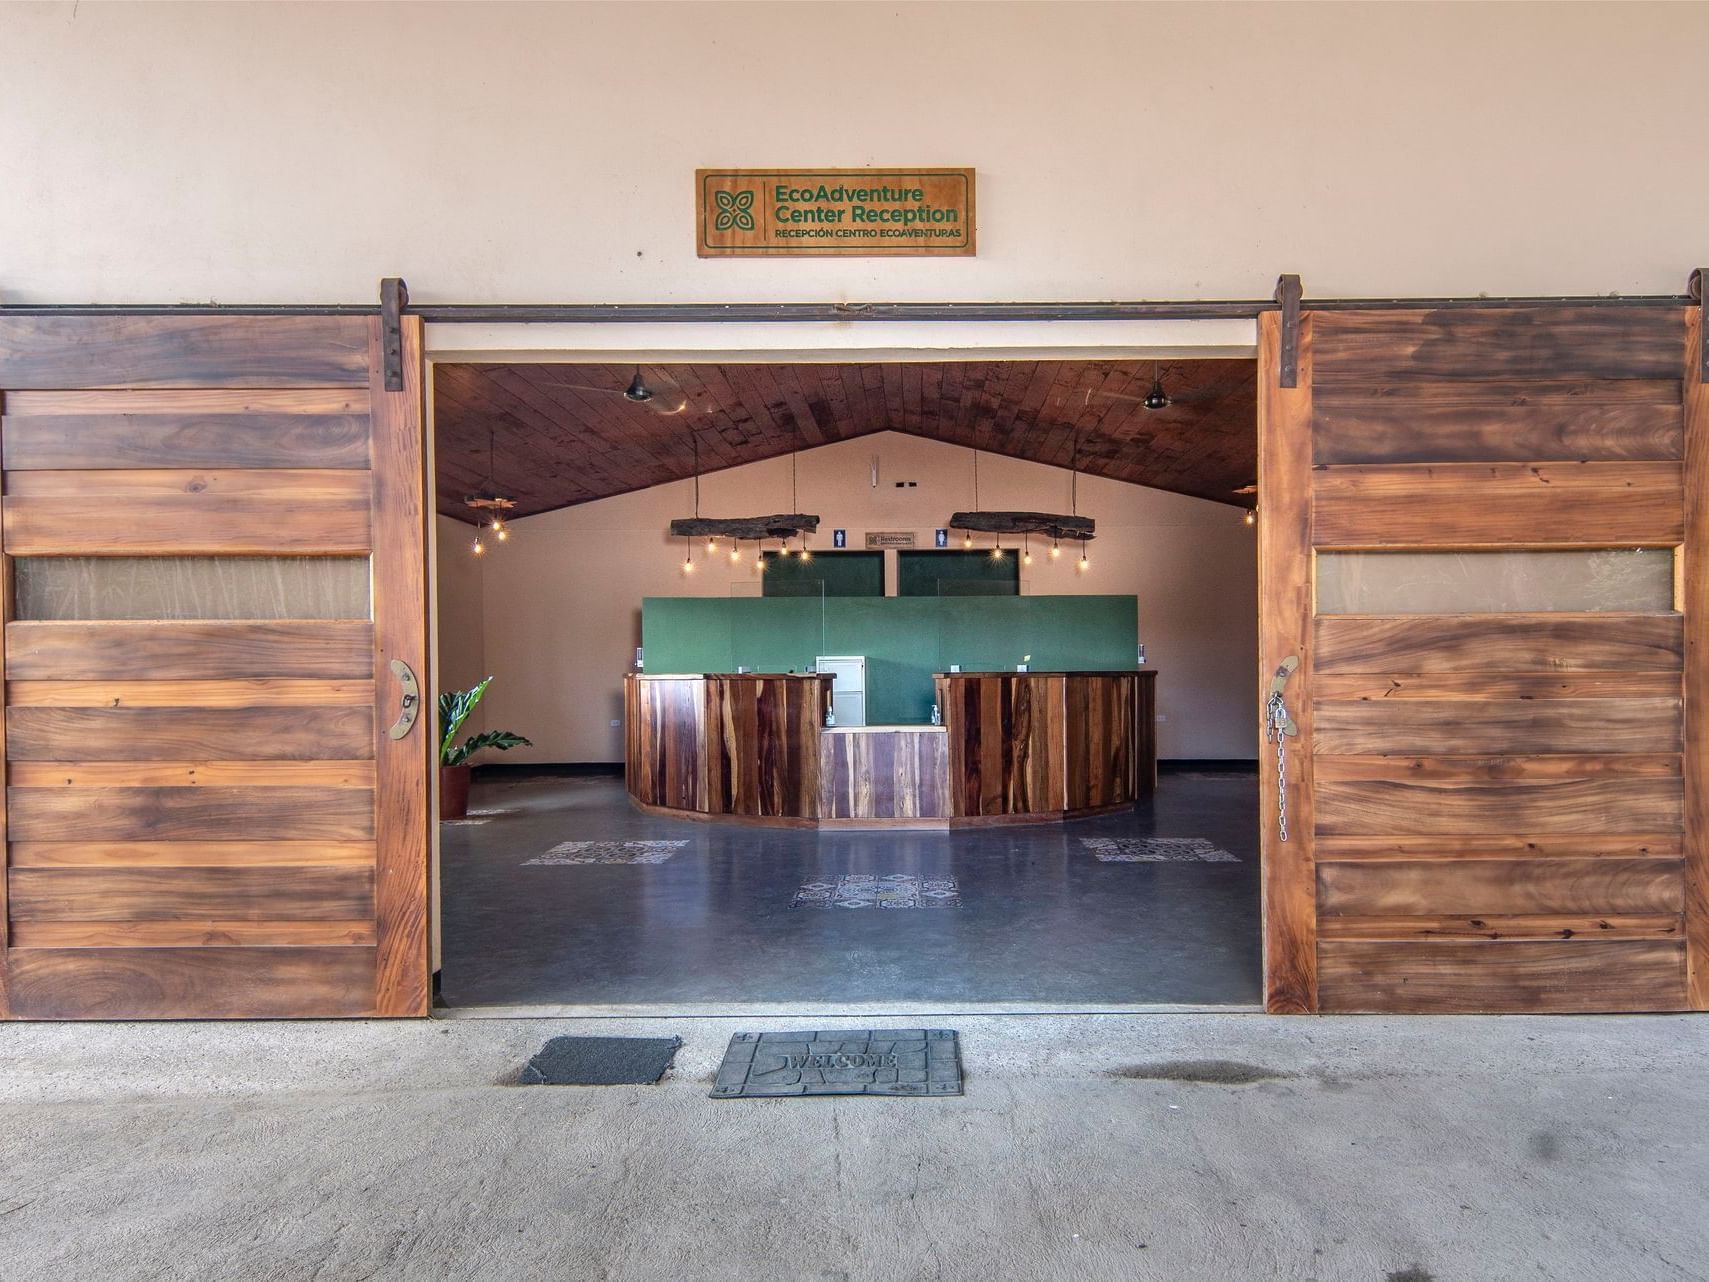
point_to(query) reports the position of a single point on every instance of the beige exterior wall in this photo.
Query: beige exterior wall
(489, 152)
(560, 603)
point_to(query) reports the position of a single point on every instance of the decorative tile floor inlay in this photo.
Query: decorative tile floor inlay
(867, 890)
(862, 1061)
(1157, 850)
(608, 852)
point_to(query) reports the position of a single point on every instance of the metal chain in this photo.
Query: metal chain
(1275, 718)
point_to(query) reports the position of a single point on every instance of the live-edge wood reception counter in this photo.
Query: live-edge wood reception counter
(1015, 747)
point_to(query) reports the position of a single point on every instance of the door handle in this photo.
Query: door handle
(409, 706)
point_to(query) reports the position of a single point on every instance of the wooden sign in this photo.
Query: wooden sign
(854, 213)
(890, 538)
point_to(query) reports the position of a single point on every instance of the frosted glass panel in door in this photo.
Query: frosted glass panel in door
(191, 587)
(1507, 582)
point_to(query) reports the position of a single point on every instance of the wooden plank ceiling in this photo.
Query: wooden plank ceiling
(564, 434)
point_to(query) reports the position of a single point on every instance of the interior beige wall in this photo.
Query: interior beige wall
(461, 615)
(561, 600)
(497, 152)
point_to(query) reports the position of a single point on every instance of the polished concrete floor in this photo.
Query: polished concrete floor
(719, 913)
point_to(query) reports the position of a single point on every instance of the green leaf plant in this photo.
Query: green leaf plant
(454, 709)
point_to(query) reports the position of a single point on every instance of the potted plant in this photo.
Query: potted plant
(454, 769)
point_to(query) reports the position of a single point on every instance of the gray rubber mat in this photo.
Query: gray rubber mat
(601, 1061)
(864, 1061)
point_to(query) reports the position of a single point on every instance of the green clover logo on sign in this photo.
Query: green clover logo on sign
(735, 209)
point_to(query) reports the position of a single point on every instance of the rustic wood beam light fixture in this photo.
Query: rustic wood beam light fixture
(736, 528)
(1057, 525)
(489, 507)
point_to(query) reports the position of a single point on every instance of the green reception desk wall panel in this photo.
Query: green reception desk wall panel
(905, 639)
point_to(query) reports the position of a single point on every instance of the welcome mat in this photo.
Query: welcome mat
(1156, 850)
(600, 1061)
(862, 1061)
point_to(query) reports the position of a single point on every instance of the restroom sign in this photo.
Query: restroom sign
(854, 213)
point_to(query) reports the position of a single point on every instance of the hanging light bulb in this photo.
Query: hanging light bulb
(997, 552)
(711, 546)
(1026, 550)
(967, 538)
(1084, 563)
(1251, 517)
(688, 556)
(478, 548)
(806, 552)
(501, 531)
(735, 551)
(1055, 551)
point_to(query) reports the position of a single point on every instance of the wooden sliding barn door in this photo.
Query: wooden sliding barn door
(1482, 536)
(214, 553)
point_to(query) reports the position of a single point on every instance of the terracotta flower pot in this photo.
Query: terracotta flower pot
(454, 791)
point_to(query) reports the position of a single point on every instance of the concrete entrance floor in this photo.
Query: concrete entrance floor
(559, 891)
(1362, 1149)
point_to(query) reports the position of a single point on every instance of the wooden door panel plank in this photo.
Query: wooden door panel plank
(1503, 769)
(1616, 805)
(1563, 343)
(1497, 422)
(1453, 726)
(192, 934)
(256, 693)
(1694, 601)
(189, 814)
(402, 525)
(195, 401)
(192, 983)
(1472, 976)
(213, 526)
(1285, 631)
(1499, 926)
(277, 893)
(36, 443)
(214, 649)
(1519, 846)
(186, 774)
(1500, 643)
(191, 486)
(188, 854)
(190, 734)
(1481, 504)
(1514, 886)
(183, 351)
(1496, 686)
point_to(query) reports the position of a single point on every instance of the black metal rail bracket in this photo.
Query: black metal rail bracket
(1694, 291)
(394, 297)
(1288, 291)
